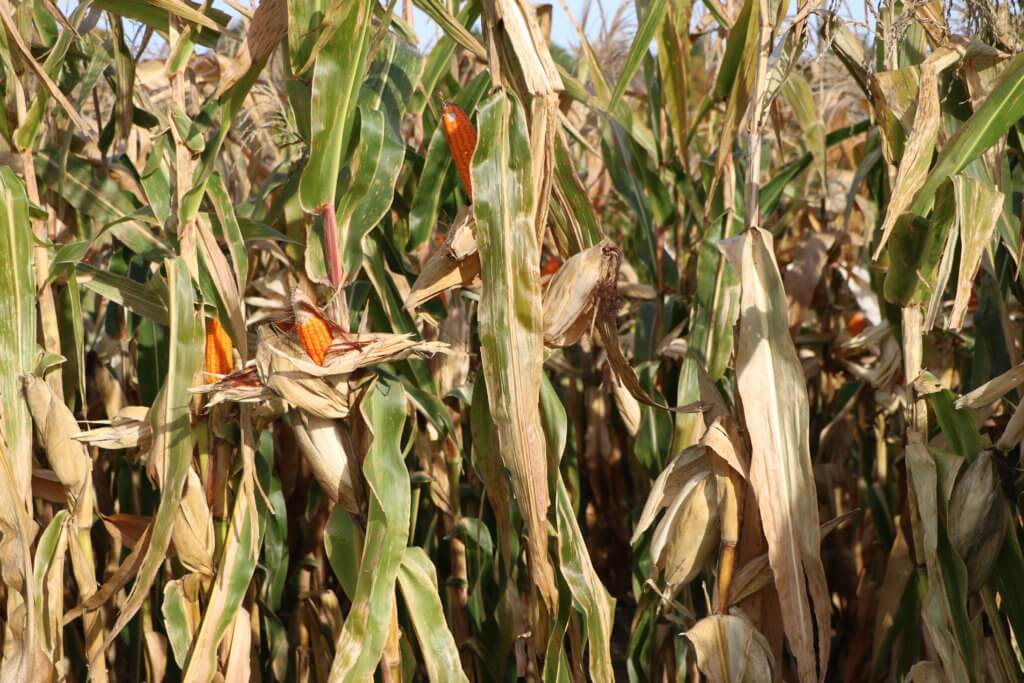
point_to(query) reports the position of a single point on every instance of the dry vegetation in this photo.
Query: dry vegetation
(693, 352)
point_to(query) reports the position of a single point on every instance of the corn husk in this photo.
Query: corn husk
(321, 441)
(731, 650)
(278, 361)
(977, 518)
(572, 299)
(628, 406)
(455, 264)
(55, 427)
(192, 533)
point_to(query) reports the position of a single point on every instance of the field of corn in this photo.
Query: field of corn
(692, 350)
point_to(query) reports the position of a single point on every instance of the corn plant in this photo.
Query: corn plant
(690, 352)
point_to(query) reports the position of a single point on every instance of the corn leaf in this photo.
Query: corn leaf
(363, 636)
(417, 579)
(173, 439)
(511, 321)
(336, 77)
(767, 368)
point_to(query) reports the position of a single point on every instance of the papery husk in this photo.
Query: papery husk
(55, 429)
(322, 443)
(572, 299)
(451, 370)
(278, 360)
(628, 406)
(192, 533)
(730, 650)
(456, 263)
(688, 533)
(69, 459)
(978, 517)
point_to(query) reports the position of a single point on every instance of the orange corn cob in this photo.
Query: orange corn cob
(856, 323)
(311, 328)
(218, 350)
(461, 141)
(552, 266)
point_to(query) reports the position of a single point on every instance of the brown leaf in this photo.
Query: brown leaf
(775, 407)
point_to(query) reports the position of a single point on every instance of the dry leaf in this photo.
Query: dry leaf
(775, 407)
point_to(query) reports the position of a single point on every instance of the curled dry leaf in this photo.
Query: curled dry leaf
(804, 273)
(574, 295)
(241, 386)
(730, 650)
(456, 263)
(128, 429)
(992, 390)
(873, 355)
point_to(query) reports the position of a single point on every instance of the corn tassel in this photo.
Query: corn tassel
(461, 141)
(311, 328)
(218, 350)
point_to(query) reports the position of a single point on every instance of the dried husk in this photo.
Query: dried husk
(687, 534)
(628, 406)
(451, 370)
(55, 429)
(730, 650)
(572, 298)
(456, 263)
(279, 369)
(321, 442)
(977, 518)
(192, 533)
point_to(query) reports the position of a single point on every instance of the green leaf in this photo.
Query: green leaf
(234, 572)
(380, 150)
(230, 228)
(650, 24)
(338, 72)
(418, 582)
(176, 621)
(305, 24)
(146, 300)
(510, 317)
(363, 636)
(343, 542)
(1001, 110)
(453, 28)
(172, 441)
(17, 322)
(588, 593)
(156, 14)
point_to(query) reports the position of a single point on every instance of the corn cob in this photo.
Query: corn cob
(310, 327)
(551, 266)
(856, 323)
(461, 141)
(218, 350)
